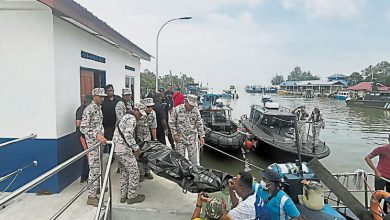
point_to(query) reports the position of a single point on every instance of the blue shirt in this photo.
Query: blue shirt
(281, 206)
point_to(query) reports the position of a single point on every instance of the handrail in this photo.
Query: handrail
(106, 180)
(66, 206)
(46, 175)
(18, 140)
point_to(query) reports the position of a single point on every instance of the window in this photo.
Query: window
(129, 82)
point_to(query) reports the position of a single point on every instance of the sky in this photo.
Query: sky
(247, 42)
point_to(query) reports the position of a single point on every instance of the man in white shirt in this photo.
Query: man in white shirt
(242, 196)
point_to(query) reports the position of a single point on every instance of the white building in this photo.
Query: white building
(52, 54)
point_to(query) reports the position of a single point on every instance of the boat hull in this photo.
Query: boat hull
(279, 155)
(369, 104)
(225, 142)
(273, 147)
(341, 97)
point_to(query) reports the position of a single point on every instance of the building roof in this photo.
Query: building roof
(319, 83)
(312, 83)
(367, 86)
(289, 83)
(337, 75)
(81, 17)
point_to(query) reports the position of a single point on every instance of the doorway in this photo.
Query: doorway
(90, 79)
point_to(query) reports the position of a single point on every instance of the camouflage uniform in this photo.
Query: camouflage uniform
(318, 123)
(145, 123)
(91, 125)
(301, 115)
(121, 109)
(188, 125)
(213, 209)
(123, 153)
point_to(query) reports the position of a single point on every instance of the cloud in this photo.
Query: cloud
(388, 15)
(229, 42)
(326, 8)
(214, 45)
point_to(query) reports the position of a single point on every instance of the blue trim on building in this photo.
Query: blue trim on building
(49, 153)
(67, 147)
(94, 57)
(129, 68)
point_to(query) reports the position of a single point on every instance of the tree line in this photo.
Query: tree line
(148, 81)
(296, 75)
(380, 72)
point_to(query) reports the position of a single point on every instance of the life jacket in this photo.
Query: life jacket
(375, 204)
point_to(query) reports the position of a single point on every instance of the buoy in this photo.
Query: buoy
(248, 145)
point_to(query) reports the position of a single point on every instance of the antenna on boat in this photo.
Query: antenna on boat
(298, 147)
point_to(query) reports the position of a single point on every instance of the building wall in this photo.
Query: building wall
(27, 92)
(69, 40)
(27, 71)
(40, 60)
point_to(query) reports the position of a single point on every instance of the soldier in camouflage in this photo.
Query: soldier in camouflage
(301, 115)
(187, 125)
(152, 119)
(146, 131)
(215, 208)
(124, 106)
(318, 123)
(92, 127)
(126, 151)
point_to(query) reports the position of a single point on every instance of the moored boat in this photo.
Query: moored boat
(342, 95)
(273, 128)
(373, 99)
(221, 131)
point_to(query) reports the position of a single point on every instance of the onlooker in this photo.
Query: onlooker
(241, 185)
(168, 106)
(124, 106)
(108, 109)
(383, 168)
(168, 98)
(215, 208)
(178, 98)
(271, 202)
(84, 160)
(162, 123)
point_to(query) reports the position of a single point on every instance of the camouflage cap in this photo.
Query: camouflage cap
(98, 92)
(214, 209)
(126, 91)
(192, 99)
(148, 102)
(141, 107)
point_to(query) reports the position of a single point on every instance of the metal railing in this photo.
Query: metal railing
(347, 182)
(33, 163)
(107, 180)
(31, 136)
(58, 168)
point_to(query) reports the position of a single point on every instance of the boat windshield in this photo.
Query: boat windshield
(278, 121)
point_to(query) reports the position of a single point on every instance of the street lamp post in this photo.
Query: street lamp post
(158, 34)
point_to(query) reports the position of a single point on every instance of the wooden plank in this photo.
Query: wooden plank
(339, 190)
